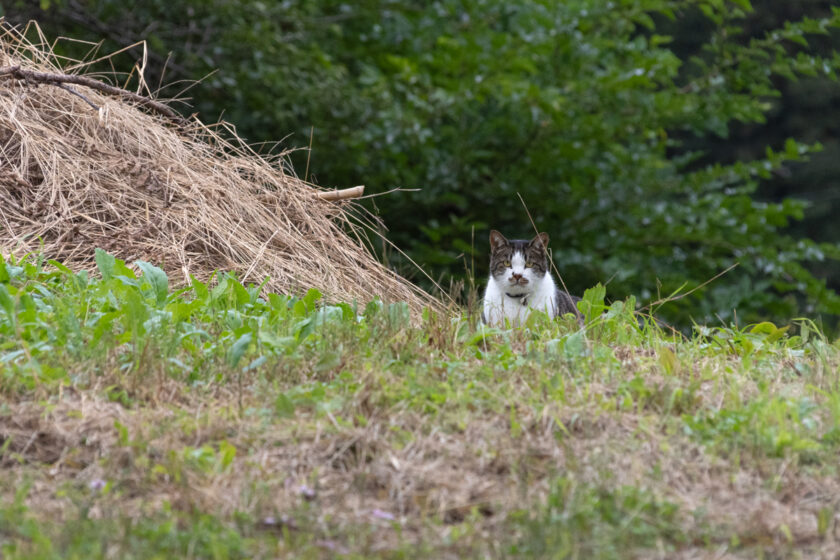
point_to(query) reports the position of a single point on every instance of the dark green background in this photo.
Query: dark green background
(657, 142)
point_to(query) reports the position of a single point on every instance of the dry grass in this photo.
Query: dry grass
(184, 197)
(316, 478)
(413, 478)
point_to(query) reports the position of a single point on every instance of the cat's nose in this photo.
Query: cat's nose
(516, 278)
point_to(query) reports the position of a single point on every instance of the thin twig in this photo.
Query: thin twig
(395, 189)
(669, 299)
(79, 95)
(16, 72)
(308, 154)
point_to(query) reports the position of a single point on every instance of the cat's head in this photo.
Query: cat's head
(517, 265)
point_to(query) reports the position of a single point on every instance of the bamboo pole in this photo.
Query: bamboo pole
(343, 194)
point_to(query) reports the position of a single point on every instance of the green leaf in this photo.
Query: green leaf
(304, 328)
(745, 4)
(772, 332)
(227, 454)
(256, 363)
(156, 278)
(135, 312)
(312, 296)
(61, 267)
(122, 433)
(764, 328)
(299, 309)
(105, 262)
(200, 289)
(122, 271)
(482, 334)
(575, 345)
(240, 293)
(239, 347)
(104, 323)
(373, 308)
(592, 303)
(6, 301)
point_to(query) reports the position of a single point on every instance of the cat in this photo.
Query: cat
(520, 282)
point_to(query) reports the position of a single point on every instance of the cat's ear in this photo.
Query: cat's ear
(540, 240)
(497, 240)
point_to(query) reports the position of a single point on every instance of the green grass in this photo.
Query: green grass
(217, 421)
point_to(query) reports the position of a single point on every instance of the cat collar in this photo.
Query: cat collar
(517, 296)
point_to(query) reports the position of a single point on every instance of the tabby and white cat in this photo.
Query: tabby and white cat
(520, 281)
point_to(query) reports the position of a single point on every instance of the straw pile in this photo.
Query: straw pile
(81, 169)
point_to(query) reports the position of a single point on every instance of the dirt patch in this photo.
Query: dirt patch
(70, 436)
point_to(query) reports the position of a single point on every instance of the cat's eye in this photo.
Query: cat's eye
(528, 264)
(507, 264)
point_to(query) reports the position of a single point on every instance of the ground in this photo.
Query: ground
(222, 422)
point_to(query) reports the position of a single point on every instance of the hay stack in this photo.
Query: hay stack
(137, 184)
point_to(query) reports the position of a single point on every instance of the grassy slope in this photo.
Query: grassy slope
(136, 422)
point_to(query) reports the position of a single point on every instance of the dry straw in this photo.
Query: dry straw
(82, 168)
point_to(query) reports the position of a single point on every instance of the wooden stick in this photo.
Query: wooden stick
(16, 72)
(79, 95)
(343, 194)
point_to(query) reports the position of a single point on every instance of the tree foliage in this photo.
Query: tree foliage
(581, 107)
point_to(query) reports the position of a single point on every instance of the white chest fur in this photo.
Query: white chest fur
(500, 307)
